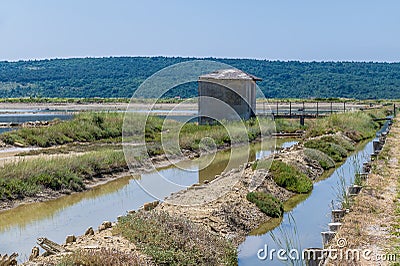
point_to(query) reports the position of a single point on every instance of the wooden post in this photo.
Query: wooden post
(264, 107)
(331, 108)
(344, 107)
(394, 110)
(277, 109)
(317, 109)
(290, 109)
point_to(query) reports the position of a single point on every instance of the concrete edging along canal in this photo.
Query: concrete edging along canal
(369, 232)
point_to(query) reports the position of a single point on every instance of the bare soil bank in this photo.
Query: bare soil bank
(231, 215)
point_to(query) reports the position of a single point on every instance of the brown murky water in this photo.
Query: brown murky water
(73, 214)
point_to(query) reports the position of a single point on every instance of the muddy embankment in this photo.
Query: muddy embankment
(231, 215)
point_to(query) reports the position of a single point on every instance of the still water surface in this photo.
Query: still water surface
(73, 214)
(305, 222)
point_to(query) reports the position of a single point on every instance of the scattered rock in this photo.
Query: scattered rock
(8, 260)
(70, 239)
(19, 144)
(105, 225)
(150, 205)
(50, 246)
(89, 232)
(34, 253)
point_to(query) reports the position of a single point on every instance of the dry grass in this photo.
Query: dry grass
(172, 240)
(104, 257)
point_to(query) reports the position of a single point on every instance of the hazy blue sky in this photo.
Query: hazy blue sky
(350, 30)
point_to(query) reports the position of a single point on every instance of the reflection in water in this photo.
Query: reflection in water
(73, 214)
(21, 118)
(5, 129)
(311, 215)
(17, 117)
(25, 214)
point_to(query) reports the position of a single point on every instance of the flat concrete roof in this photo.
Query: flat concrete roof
(232, 74)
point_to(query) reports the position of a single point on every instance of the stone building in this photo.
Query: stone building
(228, 94)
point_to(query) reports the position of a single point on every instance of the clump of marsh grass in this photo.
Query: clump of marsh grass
(355, 161)
(340, 191)
(267, 203)
(286, 237)
(84, 127)
(67, 173)
(323, 159)
(290, 178)
(173, 240)
(339, 140)
(357, 125)
(333, 150)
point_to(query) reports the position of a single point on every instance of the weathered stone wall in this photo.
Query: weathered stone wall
(237, 94)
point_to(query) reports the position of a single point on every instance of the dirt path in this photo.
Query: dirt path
(12, 156)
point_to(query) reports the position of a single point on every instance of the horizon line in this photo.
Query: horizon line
(193, 57)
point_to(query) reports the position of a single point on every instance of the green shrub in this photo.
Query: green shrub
(267, 203)
(173, 240)
(336, 152)
(324, 160)
(290, 178)
(339, 140)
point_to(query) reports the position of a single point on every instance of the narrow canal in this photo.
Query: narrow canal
(73, 214)
(302, 224)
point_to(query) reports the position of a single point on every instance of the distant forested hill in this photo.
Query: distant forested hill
(120, 76)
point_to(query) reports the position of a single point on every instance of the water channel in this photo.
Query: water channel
(303, 223)
(73, 214)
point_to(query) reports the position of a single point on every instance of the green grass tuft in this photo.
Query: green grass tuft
(336, 152)
(338, 140)
(357, 125)
(290, 178)
(267, 203)
(324, 160)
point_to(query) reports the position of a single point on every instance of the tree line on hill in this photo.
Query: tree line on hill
(119, 77)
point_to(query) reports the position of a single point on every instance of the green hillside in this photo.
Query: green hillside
(120, 76)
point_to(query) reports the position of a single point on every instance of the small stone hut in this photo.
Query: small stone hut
(233, 87)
